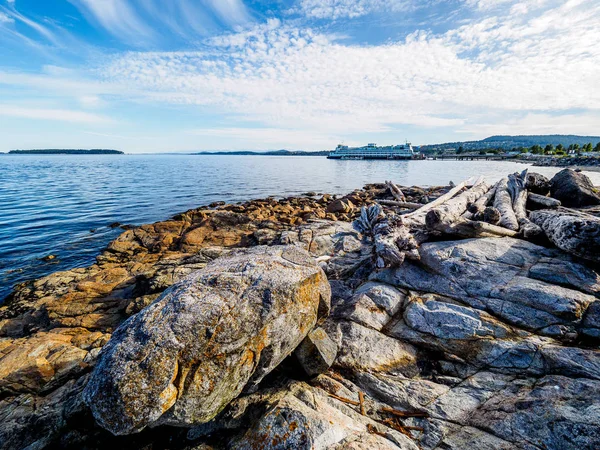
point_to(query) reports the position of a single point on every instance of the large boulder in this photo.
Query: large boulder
(218, 332)
(538, 183)
(574, 189)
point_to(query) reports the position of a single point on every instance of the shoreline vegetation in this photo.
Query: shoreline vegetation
(66, 152)
(391, 317)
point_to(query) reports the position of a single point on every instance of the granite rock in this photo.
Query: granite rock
(317, 352)
(218, 332)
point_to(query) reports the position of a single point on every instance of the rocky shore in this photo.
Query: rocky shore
(585, 162)
(269, 325)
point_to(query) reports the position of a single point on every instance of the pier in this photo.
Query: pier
(472, 157)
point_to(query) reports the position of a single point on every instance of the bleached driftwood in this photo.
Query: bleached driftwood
(543, 202)
(392, 242)
(417, 218)
(572, 231)
(396, 237)
(449, 212)
(407, 205)
(504, 204)
(494, 229)
(369, 218)
(489, 215)
(472, 229)
(483, 201)
(395, 191)
(528, 229)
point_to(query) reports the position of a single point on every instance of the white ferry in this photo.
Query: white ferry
(372, 151)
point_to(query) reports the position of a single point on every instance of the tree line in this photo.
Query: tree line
(539, 150)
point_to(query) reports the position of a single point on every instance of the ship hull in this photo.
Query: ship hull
(387, 158)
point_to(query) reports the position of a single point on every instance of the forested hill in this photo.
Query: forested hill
(510, 142)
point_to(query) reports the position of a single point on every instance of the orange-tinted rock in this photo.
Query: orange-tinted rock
(341, 205)
(45, 359)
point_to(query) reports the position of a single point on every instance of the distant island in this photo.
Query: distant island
(57, 151)
(268, 153)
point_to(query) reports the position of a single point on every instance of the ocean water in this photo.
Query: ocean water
(63, 205)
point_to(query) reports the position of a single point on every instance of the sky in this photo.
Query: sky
(183, 75)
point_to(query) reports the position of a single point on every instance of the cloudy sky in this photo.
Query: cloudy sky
(182, 75)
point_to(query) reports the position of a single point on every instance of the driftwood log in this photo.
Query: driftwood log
(483, 201)
(490, 215)
(393, 244)
(395, 191)
(417, 218)
(474, 229)
(574, 232)
(503, 203)
(449, 212)
(407, 205)
(392, 241)
(398, 237)
(516, 187)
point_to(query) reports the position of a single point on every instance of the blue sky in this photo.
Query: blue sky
(183, 75)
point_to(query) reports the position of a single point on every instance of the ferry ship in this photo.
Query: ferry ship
(372, 151)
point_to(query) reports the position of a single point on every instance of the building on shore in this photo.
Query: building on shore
(372, 151)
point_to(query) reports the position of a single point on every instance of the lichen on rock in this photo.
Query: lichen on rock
(218, 332)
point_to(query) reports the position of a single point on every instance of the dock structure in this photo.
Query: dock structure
(486, 157)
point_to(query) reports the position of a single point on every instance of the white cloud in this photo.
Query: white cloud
(143, 22)
(11, 15)
(4, 18)
(265, 138)
(499, 73)
(297, 78)
(539, 123)
(60, 115)
(233, 12)
(336, 9)
(91, 101)
(118, 17)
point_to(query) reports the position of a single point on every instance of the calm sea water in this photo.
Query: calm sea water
(49, 205)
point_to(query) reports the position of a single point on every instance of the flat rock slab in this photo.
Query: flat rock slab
(365, 349)
(484, 342)
(554, 412)
(185, 357)
(305, 418)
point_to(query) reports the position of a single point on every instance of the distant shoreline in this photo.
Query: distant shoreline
(267, 153)
(66, 152)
